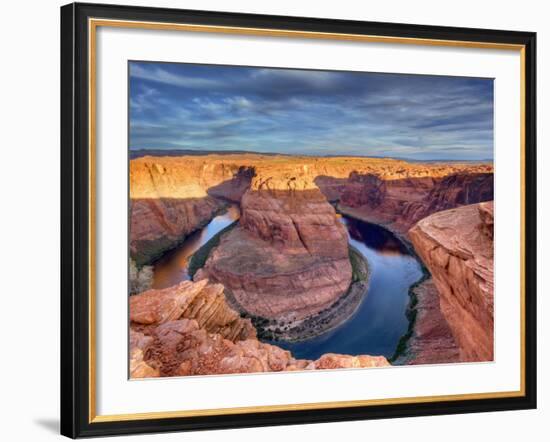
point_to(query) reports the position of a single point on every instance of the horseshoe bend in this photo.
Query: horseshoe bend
(287, 255)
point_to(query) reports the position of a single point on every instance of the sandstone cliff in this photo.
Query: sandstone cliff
(457, 247)
(174, 333)
(229, 176)
(288, 258)
(167, 203)
(430, 339)
(173, 196)
(160, 224)
(200, 301)
(400, 203)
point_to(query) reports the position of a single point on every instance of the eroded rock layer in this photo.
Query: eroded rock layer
(457, 247)
(431, 340)
(160, 224)
(171, 196)
(229, 176)
(200, 301)
(400, 203)
(174, 333)
(288, 258)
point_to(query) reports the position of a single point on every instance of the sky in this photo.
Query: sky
(309, 112)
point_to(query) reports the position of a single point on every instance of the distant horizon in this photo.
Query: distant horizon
(189, 151)
(176, 106)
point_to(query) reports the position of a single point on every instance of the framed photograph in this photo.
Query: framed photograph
(274, 220)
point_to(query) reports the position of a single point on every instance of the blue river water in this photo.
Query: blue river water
(172, 267)
(380, 321)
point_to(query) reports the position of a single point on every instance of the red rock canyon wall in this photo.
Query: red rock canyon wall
(457, 247)
(288, 258)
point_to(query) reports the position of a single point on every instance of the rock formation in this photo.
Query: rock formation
(139, 345)
(229, 176)
(166, 205)
(181, 331)
(288, 258)
(200, 301)
(431, 340)
(171, 196)
(400, 203)
(158, 225)
(457, 247)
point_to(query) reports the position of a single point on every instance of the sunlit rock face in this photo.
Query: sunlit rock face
(298, 222)
(139, 345)
(202, 302)
(457, 247)
(167, 203)
(288, 259)
(189, 329)
(384, 201)
(171, 197)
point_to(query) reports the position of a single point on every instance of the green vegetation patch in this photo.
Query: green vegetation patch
(411, 313)
(200, 256)
(359, 266)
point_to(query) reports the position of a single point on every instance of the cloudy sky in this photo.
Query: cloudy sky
(206, 107)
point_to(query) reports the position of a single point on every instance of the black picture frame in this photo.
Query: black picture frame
(75, 220)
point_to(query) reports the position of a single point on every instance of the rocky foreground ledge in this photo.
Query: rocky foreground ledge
(189, 329)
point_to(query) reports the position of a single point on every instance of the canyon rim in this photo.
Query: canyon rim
(287, 219)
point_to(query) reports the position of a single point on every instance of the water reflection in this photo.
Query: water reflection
(172, 267)
(374, 237)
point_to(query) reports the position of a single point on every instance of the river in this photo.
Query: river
(172, 267)
(380, 320)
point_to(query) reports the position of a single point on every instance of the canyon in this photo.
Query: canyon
(170, 197)
(288, 260)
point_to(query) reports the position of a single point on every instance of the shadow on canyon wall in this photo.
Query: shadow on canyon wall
(159, 224)
(234, 188)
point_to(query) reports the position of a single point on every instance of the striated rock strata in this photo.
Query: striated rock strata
(167, 203)
(171, 196)
(457, 247)
(288, 258)
(200, 301)
(160, 224)
(178, 332)
(400, 203)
